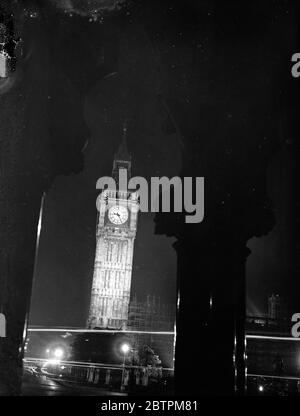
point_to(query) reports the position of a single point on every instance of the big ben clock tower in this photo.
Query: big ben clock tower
(115, 235)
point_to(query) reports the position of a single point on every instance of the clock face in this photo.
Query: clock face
(118, 214)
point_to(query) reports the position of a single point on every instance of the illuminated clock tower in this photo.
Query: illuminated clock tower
(115, 235)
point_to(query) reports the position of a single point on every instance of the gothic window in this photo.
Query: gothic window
(120, 250)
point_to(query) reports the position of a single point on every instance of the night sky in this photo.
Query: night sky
(214, 70)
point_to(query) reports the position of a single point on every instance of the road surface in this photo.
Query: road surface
(41, 385)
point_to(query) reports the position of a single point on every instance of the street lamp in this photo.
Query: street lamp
(58, 353)
(125, 348)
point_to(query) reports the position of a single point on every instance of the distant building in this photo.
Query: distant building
(276, 307)
(276, 321)
(151, 315)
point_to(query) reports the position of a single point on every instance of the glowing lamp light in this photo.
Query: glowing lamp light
(58, 353)
(125, 348)
(261, 388)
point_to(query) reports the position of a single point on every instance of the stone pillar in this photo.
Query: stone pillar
(42, 132)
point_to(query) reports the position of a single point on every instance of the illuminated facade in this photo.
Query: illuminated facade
(115, 235)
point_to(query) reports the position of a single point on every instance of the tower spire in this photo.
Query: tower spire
(122, 159)
(123, 153)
